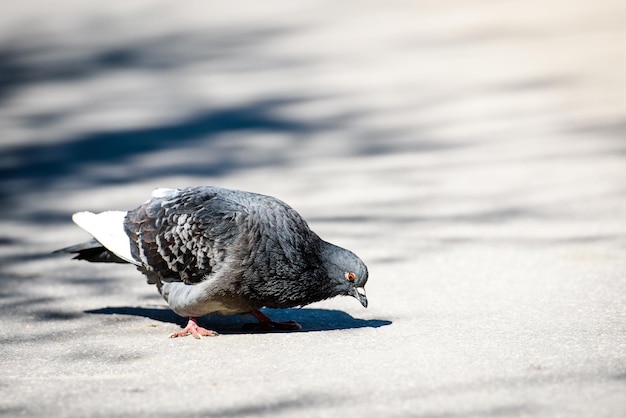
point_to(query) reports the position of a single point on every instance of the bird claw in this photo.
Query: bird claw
(272, 326)
(289, 325)
(266, 324)
(195, 330)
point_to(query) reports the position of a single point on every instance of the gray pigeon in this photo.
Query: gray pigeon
(217, 251)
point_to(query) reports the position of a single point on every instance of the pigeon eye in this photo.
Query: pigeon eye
(350, 277)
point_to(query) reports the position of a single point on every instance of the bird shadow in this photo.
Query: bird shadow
(311, 319)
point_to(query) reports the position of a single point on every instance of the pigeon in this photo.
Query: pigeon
(211, 250)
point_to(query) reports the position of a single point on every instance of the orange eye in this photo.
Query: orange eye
(350, 277)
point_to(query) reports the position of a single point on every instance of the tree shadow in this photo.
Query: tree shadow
(42, 165)
(40, 59)
(311, 319)
(105, 154)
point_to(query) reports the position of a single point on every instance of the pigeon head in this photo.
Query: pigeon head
(346, 271)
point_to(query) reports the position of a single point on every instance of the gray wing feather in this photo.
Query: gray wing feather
(185, 235)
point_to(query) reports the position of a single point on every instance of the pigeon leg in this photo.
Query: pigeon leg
(195, 330)
(266, 323)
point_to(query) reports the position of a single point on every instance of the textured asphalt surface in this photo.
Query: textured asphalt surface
(472, 153)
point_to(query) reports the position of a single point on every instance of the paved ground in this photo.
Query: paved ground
(472, 153)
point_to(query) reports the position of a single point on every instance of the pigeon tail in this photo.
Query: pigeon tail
(92, 251)
(108, 229)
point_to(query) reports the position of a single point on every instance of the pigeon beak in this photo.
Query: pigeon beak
(359, 293)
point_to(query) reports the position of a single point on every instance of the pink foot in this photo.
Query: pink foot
(266, 323)
(195, 330)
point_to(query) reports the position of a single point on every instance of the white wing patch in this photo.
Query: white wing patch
(164, 192)
(108, 229)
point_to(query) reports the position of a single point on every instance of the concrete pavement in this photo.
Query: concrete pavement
(472, 153)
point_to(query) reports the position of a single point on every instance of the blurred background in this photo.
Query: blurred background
(473, 153)
(312, 98)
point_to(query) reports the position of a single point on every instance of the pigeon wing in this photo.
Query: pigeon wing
(183, 235)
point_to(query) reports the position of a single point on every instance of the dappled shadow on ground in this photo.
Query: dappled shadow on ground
(42, 165)
(311, 319)
(40, 59)
(60, 152)
(104, 153)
